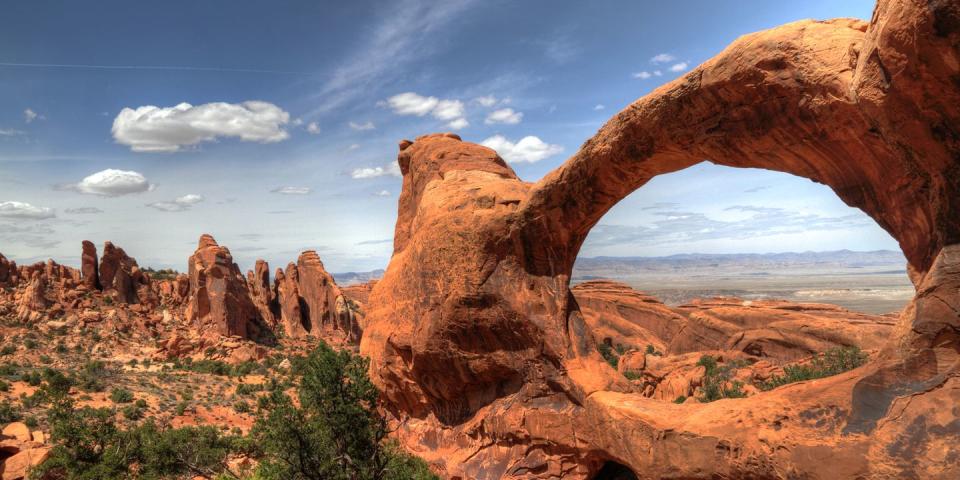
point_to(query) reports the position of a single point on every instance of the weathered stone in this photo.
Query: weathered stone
(219, 300)
(88, 266)
(481, 349)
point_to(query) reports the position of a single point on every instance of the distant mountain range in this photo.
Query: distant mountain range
(352, 278)
(844, 259)
(892, 260)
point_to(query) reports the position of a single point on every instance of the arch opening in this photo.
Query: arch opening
(748, 273)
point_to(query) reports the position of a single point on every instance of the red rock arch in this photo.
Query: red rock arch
(481, 350)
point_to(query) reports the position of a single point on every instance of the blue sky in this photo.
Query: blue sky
(273, 125)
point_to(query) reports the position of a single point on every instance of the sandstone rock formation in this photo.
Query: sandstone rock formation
(311, 303)
(263, 296)
(88, 266)
(219, 301)
(776, 329)
(286, 286)
(8, 272)
(482, 351)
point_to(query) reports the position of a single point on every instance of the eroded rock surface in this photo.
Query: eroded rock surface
(310, 301)
(482, 350)
(219, 301)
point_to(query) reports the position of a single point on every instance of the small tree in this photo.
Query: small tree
(336, 432)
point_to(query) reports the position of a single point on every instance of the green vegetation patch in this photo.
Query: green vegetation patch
(827, 364)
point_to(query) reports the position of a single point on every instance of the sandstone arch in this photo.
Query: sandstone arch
(480, 347)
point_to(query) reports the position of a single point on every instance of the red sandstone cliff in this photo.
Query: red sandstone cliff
(482, 350)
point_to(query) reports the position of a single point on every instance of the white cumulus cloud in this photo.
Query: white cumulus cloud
(662, 58)
(111, 183)
(448, 109)
(679, 67)
(292, 190)
(504, 115)
(23, 210)
(155, 129)
(486, 100)
(458, 124)
(410, 103)
(393, 169)
(382, 193)
(178, 204)
(529, 149)
(313, 128)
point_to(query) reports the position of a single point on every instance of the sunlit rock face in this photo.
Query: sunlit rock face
(482, 351)
(219, 301)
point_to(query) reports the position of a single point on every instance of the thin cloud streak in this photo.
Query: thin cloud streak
(398, 39)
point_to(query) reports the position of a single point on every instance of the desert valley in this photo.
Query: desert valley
(490, 347)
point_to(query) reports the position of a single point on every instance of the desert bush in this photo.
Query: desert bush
(716, 380)
(8, 412)
(608, 354)
(121, 395)
(241, 407)
(89, 378)
(832, 362)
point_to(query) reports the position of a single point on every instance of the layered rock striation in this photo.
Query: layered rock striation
(482, 349)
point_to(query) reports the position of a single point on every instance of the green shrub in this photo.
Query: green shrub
(632, 375)
(90, 375)
(608, 354)
(121, 395)
(832, 362)
(716, 380)
(8, 412)
(31, 378)
(241, 407)
(132, 412)
(30, 343)
(245, 389)
(7, 350)
(680, 399)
